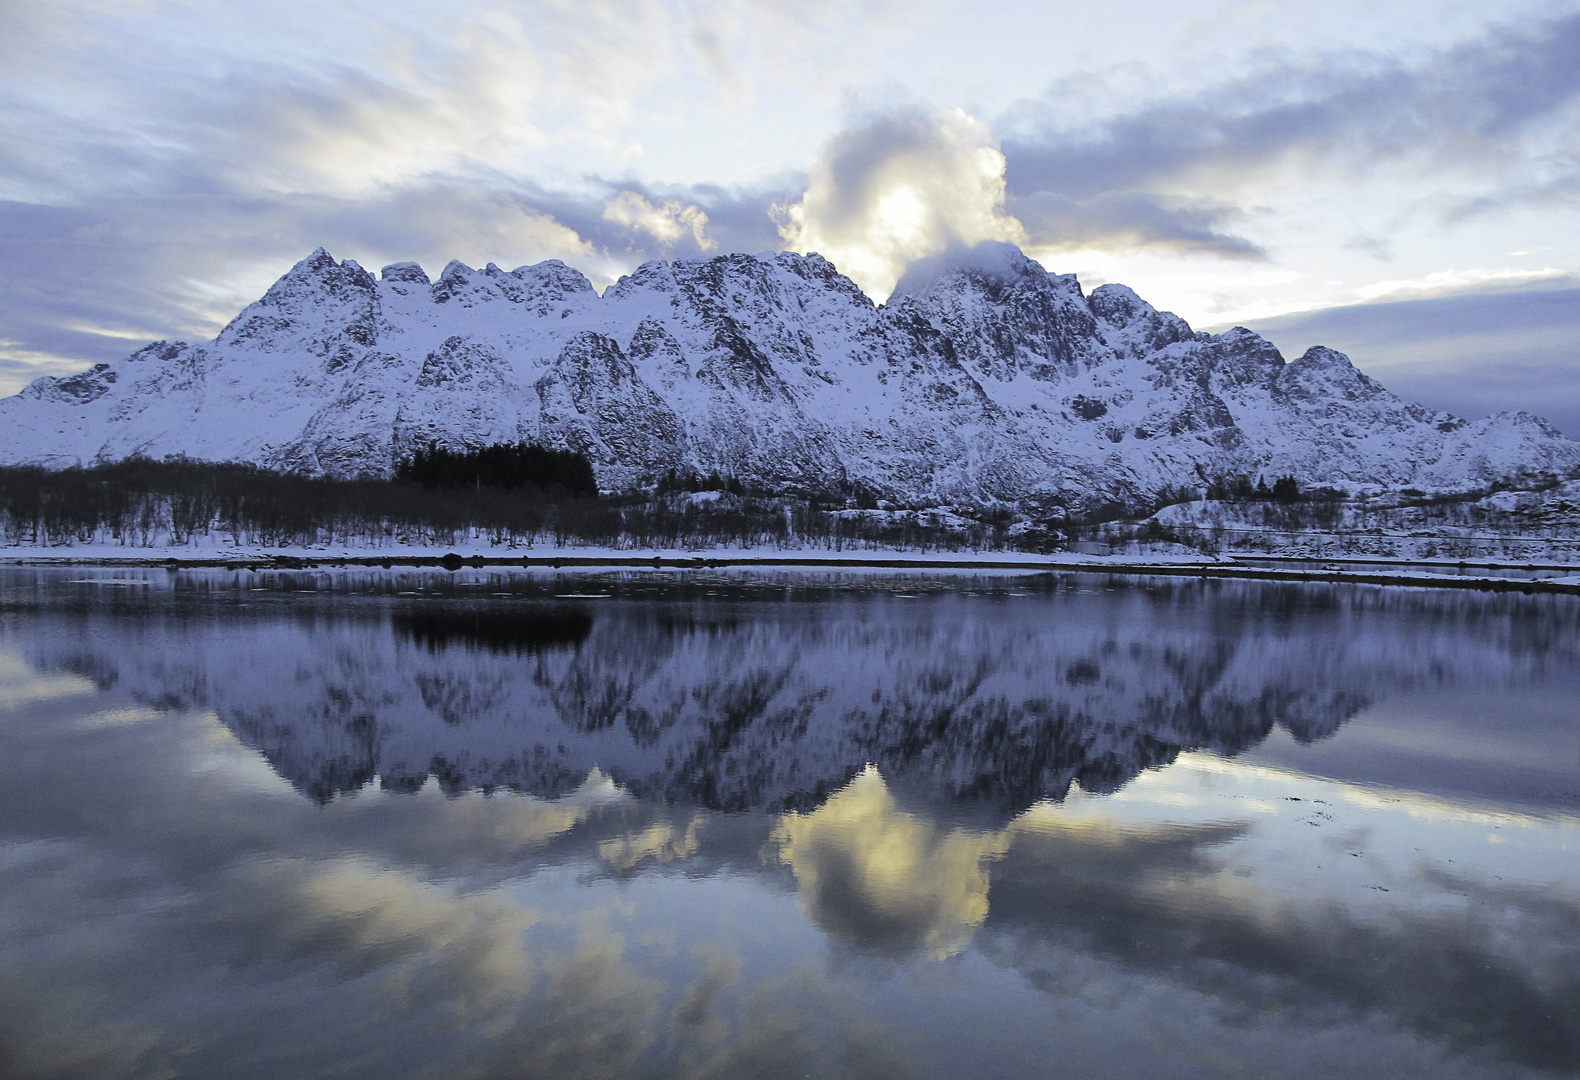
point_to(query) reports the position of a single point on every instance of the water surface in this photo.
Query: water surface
(361, 823)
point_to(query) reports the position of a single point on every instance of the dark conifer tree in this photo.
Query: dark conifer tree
(507, 466)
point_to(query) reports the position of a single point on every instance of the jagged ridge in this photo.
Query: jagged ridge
(983, 379)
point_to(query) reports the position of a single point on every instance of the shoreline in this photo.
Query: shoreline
(581, 559)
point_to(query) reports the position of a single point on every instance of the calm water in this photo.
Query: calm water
(639, 824)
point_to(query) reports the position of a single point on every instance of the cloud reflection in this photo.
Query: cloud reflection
(888, 880)
(1320, 909)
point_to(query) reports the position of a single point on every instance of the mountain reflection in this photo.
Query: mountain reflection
(749, 695)
(178, 910)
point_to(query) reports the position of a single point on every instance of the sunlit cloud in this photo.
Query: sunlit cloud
(1443, 282)
(21, 686)
(891, 880)
(389, 920)
(667, 222)
(407, 93)
(20, 365)
(897, 188)
(661, 841)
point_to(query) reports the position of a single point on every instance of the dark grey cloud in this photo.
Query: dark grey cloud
(1438, 974)
(1472, 354)
(1561, 191)
(1132, 219)
(1487, 100)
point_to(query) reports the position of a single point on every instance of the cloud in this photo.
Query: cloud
(1376, 247)
(1497, 110)
(20, 365)
(161, 164)
(1463, 131)
(895, 188)
(165, 161)
(89, 281)
(323, 97)
(1448, 282)
(352, 96)
(661, 841)
(666, 222)
(1131, 220)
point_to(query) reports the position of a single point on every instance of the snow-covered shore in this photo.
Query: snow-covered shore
(1529, 577)
(481, 552)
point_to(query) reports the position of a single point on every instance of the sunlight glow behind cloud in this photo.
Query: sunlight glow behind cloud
(897, 188)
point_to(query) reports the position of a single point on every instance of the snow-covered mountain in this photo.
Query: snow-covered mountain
(983, 378)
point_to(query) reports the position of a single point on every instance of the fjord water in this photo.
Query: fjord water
(359, 823)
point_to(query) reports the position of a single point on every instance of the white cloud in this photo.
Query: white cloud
(898, 188)
(860, 861)
(1444, 282)
(20, 365)
(667, 222)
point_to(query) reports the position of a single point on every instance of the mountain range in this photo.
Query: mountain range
(983, 379)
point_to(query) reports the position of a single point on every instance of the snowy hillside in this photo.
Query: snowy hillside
(982, 379)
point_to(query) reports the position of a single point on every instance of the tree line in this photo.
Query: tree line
(507, 466)
(512, 496)
(520, 495)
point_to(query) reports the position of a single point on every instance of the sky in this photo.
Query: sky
(1401, 177)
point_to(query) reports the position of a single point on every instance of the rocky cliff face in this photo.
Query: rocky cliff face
(982, 379)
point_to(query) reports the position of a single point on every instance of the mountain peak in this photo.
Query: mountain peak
(404, 271)
(992, 259)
